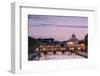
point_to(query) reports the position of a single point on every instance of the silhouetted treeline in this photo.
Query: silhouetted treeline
(32, 42)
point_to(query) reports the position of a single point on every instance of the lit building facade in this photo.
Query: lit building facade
(72, 43)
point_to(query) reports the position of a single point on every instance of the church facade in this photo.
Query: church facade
(72, 43)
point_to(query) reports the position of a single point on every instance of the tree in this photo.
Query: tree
(86, 42)
(33, 43)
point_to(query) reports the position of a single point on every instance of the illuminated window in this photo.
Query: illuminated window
(70, 42)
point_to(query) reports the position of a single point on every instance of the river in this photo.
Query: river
(58, 55)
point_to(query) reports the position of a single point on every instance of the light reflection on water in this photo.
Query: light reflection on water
(58, 55)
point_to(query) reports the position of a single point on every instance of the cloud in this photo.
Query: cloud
(64, 21)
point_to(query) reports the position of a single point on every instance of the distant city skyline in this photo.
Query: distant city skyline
(60, 28)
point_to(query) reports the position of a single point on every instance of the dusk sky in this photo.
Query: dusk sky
(60, 28)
